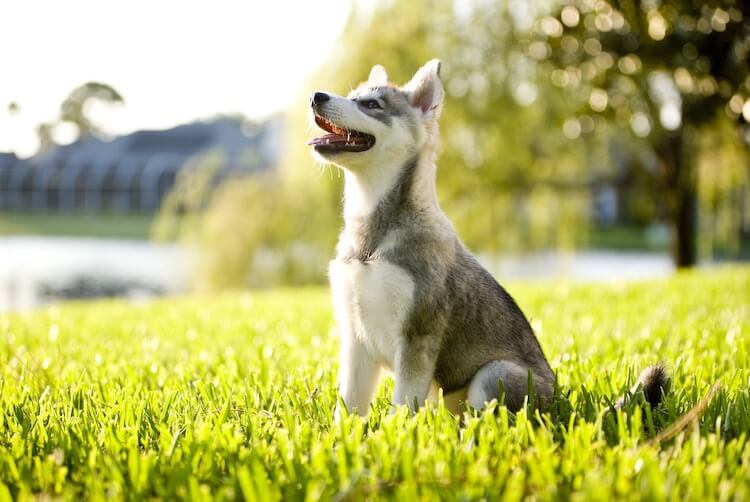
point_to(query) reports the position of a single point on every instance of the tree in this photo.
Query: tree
(74, 107)
(75, 110)
(665, 69)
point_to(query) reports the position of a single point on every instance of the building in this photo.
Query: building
(132, 173)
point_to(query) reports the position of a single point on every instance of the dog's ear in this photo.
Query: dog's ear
(426, 90)
(378, 76)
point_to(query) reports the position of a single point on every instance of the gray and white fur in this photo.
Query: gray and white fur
(408, 296)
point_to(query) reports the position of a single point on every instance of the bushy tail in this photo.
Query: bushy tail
(654, 381)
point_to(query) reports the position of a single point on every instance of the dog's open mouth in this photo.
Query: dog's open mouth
(340, 140)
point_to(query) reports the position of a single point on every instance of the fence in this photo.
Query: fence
(82, 184)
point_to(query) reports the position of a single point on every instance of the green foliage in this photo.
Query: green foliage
(254, 230)
(724, 184)
(544, 103)
(183, 205)
(74, 108)
(609, 52)
(264, 230)
(232, 397)
(499, 159)
(667, 70)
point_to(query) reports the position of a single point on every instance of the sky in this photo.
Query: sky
(172, 61)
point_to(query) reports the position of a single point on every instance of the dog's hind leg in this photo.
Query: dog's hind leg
(485, 385)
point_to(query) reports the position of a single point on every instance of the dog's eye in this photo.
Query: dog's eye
(371, 104)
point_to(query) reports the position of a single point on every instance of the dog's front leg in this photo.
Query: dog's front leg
(414, 372)
(358, 375)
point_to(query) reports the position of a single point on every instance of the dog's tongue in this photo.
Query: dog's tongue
(327, 139)
(332, 138)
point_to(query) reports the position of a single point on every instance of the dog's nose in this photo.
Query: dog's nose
(319, 98)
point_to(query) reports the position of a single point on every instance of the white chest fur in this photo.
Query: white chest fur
(371, 302)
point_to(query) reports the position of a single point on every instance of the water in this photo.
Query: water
(39, 270)
(582, 266)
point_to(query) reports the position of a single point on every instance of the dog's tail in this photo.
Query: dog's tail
(654, 381)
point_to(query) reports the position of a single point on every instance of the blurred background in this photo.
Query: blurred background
(151, 148)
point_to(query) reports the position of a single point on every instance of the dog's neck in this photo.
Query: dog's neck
(375, 205)
(410, 183)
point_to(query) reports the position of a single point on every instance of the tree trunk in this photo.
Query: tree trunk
(685, 228)
(681, 197)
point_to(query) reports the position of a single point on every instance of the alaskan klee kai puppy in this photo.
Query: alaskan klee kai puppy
(408, 296)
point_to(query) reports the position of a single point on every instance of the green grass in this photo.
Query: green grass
(232, 396)
(77, 225)
(620, 238)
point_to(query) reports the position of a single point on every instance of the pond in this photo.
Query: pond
(39, 270)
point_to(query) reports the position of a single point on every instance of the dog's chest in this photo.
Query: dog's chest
(372, 301)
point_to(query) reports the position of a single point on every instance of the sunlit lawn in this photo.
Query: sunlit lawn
(232, 396)
(126, 226)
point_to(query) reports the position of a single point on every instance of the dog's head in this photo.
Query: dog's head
(378, 123)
